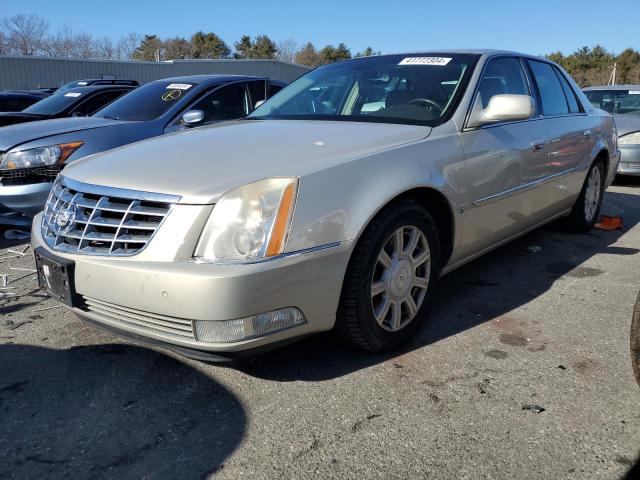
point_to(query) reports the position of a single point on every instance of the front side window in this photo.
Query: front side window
(421, 90)
(227, 103)
(503, 75)
(552, 95)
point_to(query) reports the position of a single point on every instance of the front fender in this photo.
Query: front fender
(336, 204)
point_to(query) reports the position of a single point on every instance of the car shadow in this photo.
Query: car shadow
(486, 289)
(111, 411)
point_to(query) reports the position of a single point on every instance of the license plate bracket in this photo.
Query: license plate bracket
(56, 276)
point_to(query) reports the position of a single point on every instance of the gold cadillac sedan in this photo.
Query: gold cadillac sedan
(337, 204)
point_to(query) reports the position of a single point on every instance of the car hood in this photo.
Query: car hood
(627, 123)
(14, 135)
(201, 164)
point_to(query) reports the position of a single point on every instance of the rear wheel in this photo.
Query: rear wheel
(586, 210)
(390, 278)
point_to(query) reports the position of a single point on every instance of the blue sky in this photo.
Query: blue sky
(536, 27)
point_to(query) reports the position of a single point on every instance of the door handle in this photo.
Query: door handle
(587, 133)
(537, 145)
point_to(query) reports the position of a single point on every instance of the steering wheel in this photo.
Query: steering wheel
(427, 102)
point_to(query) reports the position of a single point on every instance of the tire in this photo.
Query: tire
(585, 214)
(635, 340)
(402, 276)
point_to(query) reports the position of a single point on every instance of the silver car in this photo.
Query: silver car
(623, 102)
(362, 183)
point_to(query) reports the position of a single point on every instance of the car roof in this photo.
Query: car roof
(93, 88)
(612, 87)
(486, 52)
(210, 79)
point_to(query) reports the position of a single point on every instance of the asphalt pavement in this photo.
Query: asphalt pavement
(523, 371)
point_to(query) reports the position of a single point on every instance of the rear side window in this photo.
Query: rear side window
(273, 89)
(552, 95)
(569, 93)
(502, 75)
(258, 92)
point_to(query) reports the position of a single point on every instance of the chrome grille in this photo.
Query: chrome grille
(129, 317)
(95, 220)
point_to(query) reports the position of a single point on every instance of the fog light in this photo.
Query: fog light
(227, 331)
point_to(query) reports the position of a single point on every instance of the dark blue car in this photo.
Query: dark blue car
(32, 154)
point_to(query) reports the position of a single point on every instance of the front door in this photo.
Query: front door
(504, 162)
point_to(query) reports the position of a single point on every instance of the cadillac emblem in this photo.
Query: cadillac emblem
(65, 219)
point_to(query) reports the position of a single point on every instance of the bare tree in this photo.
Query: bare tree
(4, 48)
(61, 44)
(287, 50)
(127, 45)
(104, 49)
(26, 34)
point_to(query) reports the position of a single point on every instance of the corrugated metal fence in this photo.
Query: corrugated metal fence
(39, 72)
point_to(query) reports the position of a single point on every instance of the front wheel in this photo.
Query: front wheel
(390, 278)
(586, 210)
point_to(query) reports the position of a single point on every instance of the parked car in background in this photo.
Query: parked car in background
(76, 102)
(18, 100)
(336, 204)
(97, 81)
(623, 102)
(31, 155)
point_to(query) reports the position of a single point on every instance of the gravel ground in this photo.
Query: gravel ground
(522, 372)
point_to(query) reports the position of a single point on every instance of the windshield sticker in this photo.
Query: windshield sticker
(72, 94)
(82, 83)
(634, 92)
(171, 95)
(179, 86)
(439, 61)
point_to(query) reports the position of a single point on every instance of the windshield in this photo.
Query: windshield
(70, 85)
(147, 102)
(56, 103)
(616, 101)
(410, 89)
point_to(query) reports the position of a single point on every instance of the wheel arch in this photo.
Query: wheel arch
(438, 206)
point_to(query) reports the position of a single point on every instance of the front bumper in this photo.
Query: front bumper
(629, 160)
(27, 199)
(155, 300)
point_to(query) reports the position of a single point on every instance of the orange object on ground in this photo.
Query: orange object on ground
(609, 223)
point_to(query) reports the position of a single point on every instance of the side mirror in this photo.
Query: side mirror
(502, 108)
(258, 103)
(192, 117)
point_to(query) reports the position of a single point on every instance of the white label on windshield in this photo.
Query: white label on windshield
(634, 92)
(179, 86)
(82, 83)
(72, 94)
(440, 61)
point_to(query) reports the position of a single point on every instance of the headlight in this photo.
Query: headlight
(249, 222)
(39, 156)
(629, 139)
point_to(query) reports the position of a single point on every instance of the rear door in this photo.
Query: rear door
(503, 161)
(570, 137)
